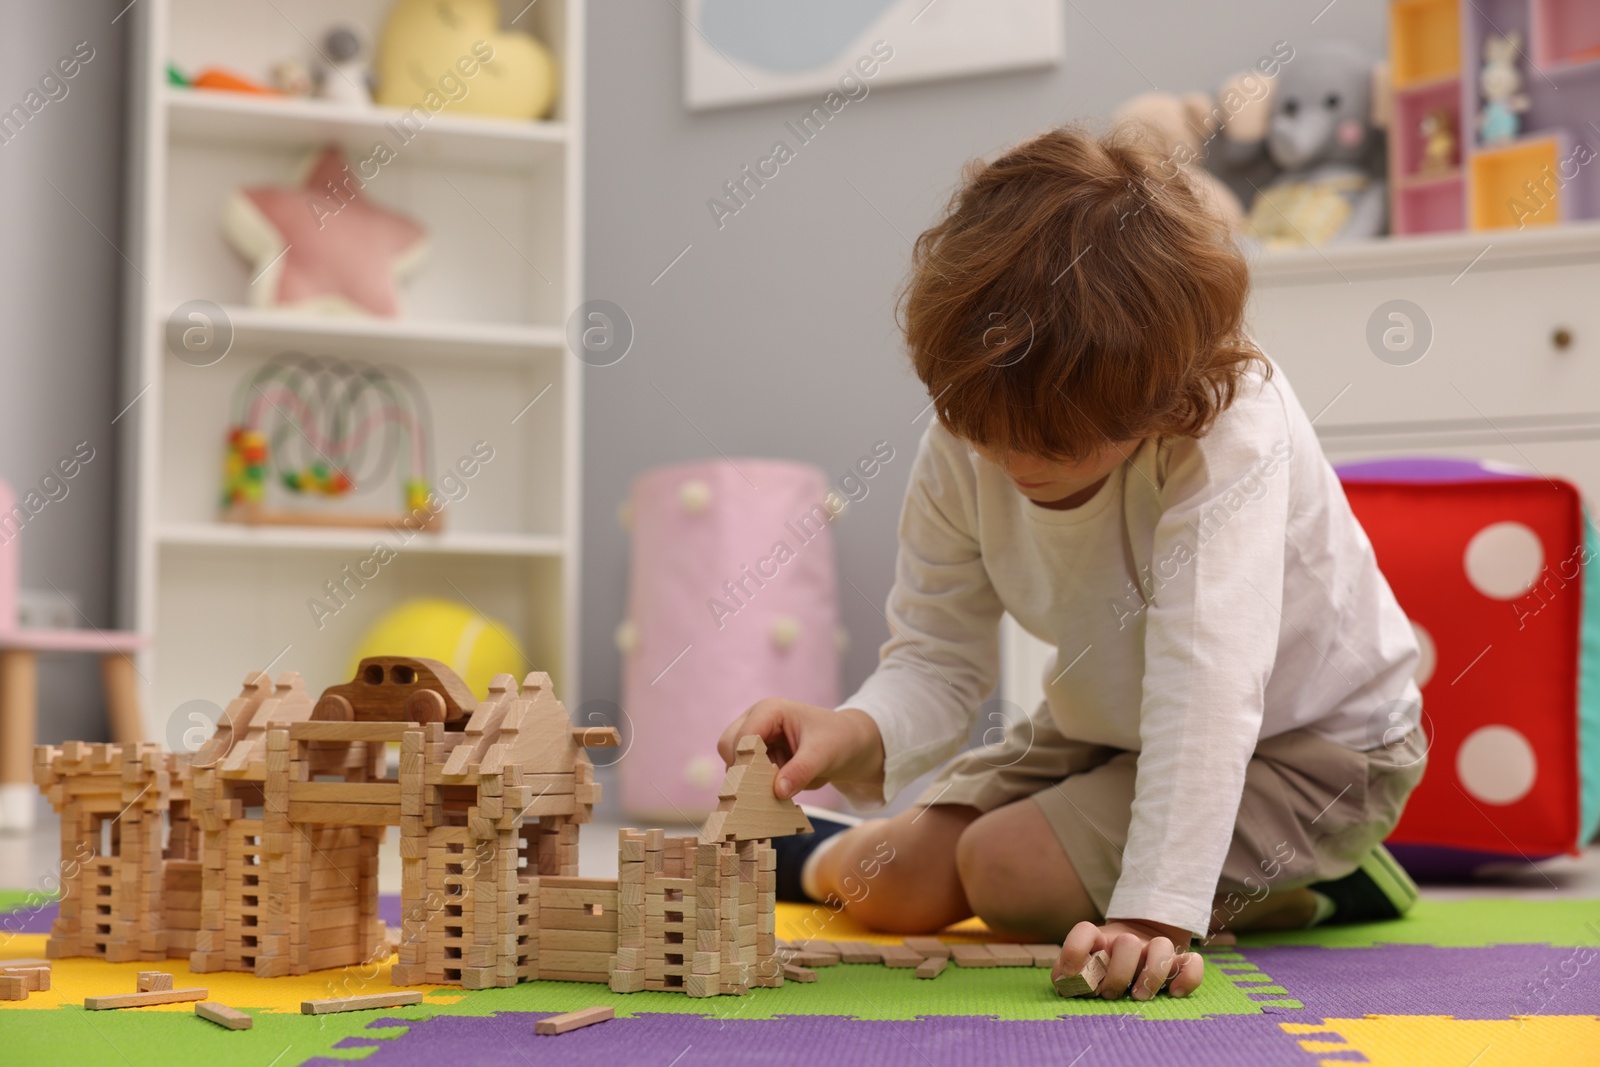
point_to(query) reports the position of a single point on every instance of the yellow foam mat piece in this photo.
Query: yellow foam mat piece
(802, 922)
(73, 979)
(1445, 1041)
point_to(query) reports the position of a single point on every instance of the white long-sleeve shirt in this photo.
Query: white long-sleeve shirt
(1213, 592)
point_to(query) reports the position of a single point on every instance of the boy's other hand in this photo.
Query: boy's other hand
(1144, 957)
(811, 745)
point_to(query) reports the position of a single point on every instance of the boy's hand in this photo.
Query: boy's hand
(1144, 955)
(811, 745)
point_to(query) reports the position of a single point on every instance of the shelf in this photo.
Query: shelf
(1394, 257)
(222, 535)
(388, 339)
(297, 122)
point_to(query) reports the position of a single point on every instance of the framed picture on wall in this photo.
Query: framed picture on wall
(748, 51)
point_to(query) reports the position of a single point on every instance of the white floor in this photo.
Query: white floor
(29, 860)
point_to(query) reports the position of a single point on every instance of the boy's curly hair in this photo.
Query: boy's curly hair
(1074, 295)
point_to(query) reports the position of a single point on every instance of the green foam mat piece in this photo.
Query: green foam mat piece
(1459, 924)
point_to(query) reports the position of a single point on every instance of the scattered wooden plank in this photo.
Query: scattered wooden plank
(397, 999)
(574, 1020)
(140, 1000)
(899, 956)
(1086, 981)
(1008, 955)
(811, 959)
(223, 1015)
(1045, 955)
(859, 952)
(799, 974)
(13, 987)
(932, 966)
(972, 955)
(928, 947)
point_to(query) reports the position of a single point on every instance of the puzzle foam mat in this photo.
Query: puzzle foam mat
(1484, 982)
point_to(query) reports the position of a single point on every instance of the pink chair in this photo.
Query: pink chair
(19, 681)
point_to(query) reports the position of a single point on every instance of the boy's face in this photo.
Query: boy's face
(1048, 481)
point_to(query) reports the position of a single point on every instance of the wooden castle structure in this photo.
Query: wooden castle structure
(259, 853)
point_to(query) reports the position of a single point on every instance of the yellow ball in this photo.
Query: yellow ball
(475, 647)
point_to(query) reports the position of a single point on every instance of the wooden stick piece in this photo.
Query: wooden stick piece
(139, 1000)
(1010, 955)
(899, 956)
(1086, 981)
(574, 1020)
(398, 999)
(932, 966)
(223, 1015)
(859, 952)
(799, 974)
(928, 947)
(13, 987)
(1045, 955)
(972, 955)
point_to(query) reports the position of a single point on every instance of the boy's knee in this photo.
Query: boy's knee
(985, 867)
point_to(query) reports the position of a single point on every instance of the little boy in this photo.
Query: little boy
(1229, 728)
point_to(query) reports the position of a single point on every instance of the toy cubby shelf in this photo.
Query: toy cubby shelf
(482, 333)
(1436, 49)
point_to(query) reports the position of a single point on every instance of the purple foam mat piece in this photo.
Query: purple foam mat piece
(26, 920)
(1435, 863)
(959, 1041)
(1493, 982)
(1426, 469)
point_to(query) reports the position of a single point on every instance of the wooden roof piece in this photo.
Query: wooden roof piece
(748, 809)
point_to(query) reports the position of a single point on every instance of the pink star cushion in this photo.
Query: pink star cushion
(323, 245)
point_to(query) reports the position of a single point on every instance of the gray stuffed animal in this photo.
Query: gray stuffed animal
(1324, 138)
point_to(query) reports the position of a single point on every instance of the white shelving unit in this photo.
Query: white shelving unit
(483, 333)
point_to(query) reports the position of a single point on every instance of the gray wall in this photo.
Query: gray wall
(59, 309)
(774, 335)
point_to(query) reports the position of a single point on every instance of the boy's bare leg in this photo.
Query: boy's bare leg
(1017, 877)
(898, 875)
(926, 868)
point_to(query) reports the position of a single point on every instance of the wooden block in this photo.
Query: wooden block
(859, 952)
(223, 1015)
(972, 955)
(748, 810)
(574, 1020)
(150, 981)
(627, 981)
(139, 1000)
(799, 974)
(396, 999)
(13, 987)
(928, 947)
(1007, 955)
(1086, 981)
(899, 956)
(932, 966)
(35, 977)
(1045, 955)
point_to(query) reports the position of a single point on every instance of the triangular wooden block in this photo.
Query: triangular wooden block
(748, 810)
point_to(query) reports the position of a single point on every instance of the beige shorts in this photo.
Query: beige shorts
(1311, 810)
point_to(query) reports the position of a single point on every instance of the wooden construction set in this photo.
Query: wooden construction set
(260, 852)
